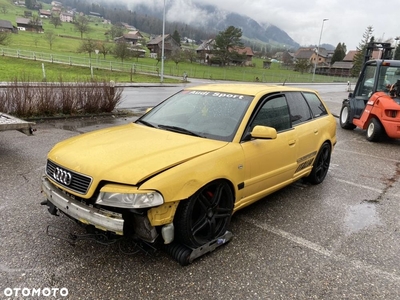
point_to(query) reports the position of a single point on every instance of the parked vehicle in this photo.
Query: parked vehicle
(375, 103)
(178, 173)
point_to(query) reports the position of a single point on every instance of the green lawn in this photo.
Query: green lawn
(22, 70)
(68, 40)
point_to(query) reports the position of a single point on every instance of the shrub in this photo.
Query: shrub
(27, 99)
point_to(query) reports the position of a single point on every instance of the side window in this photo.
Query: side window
(366, 85)
(273, 113)
(298, 107)
(317, 108)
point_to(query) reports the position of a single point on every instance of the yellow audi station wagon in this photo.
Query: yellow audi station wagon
(177, 174)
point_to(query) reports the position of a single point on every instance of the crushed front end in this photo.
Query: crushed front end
(61, 188)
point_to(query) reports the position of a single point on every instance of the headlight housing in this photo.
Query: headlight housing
(126, 197)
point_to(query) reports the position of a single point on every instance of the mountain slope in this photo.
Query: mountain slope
(212, 19)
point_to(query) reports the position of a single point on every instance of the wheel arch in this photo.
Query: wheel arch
(369, 118)
(165, 213)
(186, 194)
(315, 176)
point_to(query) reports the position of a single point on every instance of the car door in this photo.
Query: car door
(269, 164)
(308, 118)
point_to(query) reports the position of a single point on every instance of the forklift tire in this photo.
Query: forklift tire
(375, 131)
(344, 118)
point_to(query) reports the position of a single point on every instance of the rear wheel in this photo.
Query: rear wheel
(321, 164)
(375, 131)
(344, 119)
(204, 216)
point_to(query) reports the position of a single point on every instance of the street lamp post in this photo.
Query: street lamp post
(162, 47)
(319, 43)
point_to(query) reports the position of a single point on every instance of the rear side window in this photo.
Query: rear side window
(299, 110)
(316, 106)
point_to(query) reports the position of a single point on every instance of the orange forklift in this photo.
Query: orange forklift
(374, 105)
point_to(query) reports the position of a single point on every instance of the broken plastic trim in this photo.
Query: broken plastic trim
(72, 239)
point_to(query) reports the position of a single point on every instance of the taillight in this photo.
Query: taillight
(391, 113)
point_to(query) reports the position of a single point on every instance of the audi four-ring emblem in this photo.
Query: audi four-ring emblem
(62, 176)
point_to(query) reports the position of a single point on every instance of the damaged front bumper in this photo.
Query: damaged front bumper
(99, 218)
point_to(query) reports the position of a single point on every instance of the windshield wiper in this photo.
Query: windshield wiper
(179, 130)
(145, 123)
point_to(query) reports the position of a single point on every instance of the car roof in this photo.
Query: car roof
(246, 88)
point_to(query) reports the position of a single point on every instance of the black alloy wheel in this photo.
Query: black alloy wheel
(321, 164)
(204, 216)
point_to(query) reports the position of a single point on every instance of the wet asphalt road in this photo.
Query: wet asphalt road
(337, 240)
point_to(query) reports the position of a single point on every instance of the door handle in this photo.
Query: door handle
(292, 142)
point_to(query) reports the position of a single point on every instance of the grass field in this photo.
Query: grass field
(68, 40)
(23, 70)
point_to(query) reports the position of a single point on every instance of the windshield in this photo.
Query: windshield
(200, 113)
(388, 75)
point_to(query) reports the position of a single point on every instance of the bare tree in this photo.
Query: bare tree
(56, 21)
(177, 56)
(50, 36)
(122, 51)
(82, 25)
(87, 46)
(190, 55)
(116, 31)
(104, 48)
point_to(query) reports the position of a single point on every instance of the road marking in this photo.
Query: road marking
(358, 185)
(319, 249)
(365, 154)
(288, 236)
(367, 187)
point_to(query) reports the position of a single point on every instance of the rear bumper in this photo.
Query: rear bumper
(101, 219)
(392, 128)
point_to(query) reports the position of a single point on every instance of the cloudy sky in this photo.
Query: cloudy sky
(302, 20)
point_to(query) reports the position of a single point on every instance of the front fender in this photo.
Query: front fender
(182, 181)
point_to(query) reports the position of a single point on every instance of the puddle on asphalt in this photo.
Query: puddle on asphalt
(361, 216)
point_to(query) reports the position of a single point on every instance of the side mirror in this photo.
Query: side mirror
(263, 132)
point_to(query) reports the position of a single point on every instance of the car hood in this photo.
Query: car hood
(129, 153)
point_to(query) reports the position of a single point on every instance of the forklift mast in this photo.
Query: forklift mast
(386, 50)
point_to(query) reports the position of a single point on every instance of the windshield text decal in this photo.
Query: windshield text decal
(216, 94)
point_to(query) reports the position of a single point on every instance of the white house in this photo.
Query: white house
(66, 17)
